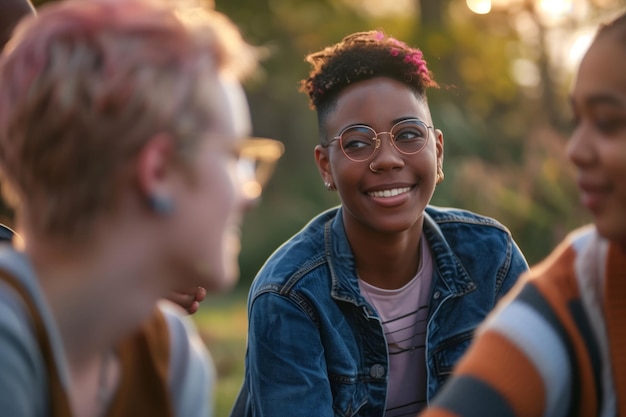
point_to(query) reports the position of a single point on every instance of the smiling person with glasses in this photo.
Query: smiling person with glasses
(366, 310)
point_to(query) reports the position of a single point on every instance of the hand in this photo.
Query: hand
(188, 299)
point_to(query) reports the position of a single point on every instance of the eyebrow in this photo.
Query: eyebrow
(402, 119)
(393, 122)
(602, 99)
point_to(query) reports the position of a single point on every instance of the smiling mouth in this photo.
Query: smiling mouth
(389, 193)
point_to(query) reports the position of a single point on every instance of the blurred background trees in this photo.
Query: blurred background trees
(504, 77)
(504, 67)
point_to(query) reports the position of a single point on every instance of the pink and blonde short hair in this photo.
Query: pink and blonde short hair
(86, 83)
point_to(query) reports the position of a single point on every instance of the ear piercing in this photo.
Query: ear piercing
(330, 186)
(160, 204)
(440, 175)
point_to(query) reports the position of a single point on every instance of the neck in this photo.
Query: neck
(387, 261)
(97, 292)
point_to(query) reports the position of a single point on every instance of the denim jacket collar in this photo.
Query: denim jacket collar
(338, 253)
(344, 277)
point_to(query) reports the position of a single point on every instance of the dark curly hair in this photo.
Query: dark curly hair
(358, 57)
(617, 25)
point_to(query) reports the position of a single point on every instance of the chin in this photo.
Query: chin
(216, 280)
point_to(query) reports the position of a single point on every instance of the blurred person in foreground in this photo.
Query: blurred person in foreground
(557, 345)
(123, 145)
(11, 11)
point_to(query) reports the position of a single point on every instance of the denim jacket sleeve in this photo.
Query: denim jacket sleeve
(514, 269)
(286, 371)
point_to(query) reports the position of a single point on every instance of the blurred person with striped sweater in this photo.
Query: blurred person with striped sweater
(556, 344)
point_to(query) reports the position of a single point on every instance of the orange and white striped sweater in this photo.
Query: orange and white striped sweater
(555, 346)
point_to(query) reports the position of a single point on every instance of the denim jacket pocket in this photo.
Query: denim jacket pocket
(448, 353)
(349, 395)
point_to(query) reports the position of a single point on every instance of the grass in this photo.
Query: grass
(222, 322)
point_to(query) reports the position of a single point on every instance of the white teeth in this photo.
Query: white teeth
(389, 193)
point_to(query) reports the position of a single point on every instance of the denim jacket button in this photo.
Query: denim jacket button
(377, 371)
(436, 295)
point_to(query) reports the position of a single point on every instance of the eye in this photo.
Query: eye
(410, 131)
(610, 126)
(357, 137)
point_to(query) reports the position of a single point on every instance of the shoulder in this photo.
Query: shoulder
(450, 216)
(465, 229)
(302, 253)
(556, 275)
(23, 377)
(172, 337)
(23, 380)
(15, 317)
(191, 373)
(183, 336)
(483, 245)
(16, 326)
(467, 232)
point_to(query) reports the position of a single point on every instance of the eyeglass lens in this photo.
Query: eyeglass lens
(360, 142)
(256, 164)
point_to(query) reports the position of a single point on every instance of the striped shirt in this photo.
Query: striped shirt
(404, 315)
(555, 346)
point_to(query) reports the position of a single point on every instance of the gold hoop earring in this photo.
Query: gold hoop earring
(440, 175)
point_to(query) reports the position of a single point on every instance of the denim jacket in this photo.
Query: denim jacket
(316, 347)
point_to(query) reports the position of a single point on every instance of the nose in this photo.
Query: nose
(387, 156)
(580, 148)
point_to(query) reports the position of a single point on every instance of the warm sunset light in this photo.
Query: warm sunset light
(479, 6)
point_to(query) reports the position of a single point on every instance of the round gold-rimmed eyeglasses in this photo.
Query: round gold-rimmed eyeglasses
(360, 142)
(256, 162)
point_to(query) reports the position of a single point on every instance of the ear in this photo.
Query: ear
(323, 164)
(439, 146)
(154, 163)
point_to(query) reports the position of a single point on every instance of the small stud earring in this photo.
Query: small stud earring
(330, 186)
(160, 204)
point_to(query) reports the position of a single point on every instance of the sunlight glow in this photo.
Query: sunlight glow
(555, 7)
(554, 12)
(550, 9)
(578, 49)
(525, 73)
(479, 6)
(379, 8)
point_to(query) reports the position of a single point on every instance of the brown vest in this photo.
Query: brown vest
(144, 362)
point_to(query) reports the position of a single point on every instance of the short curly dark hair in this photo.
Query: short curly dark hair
(616, 25)
(358, 57)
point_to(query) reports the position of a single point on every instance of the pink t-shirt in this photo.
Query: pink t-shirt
(404, 314)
